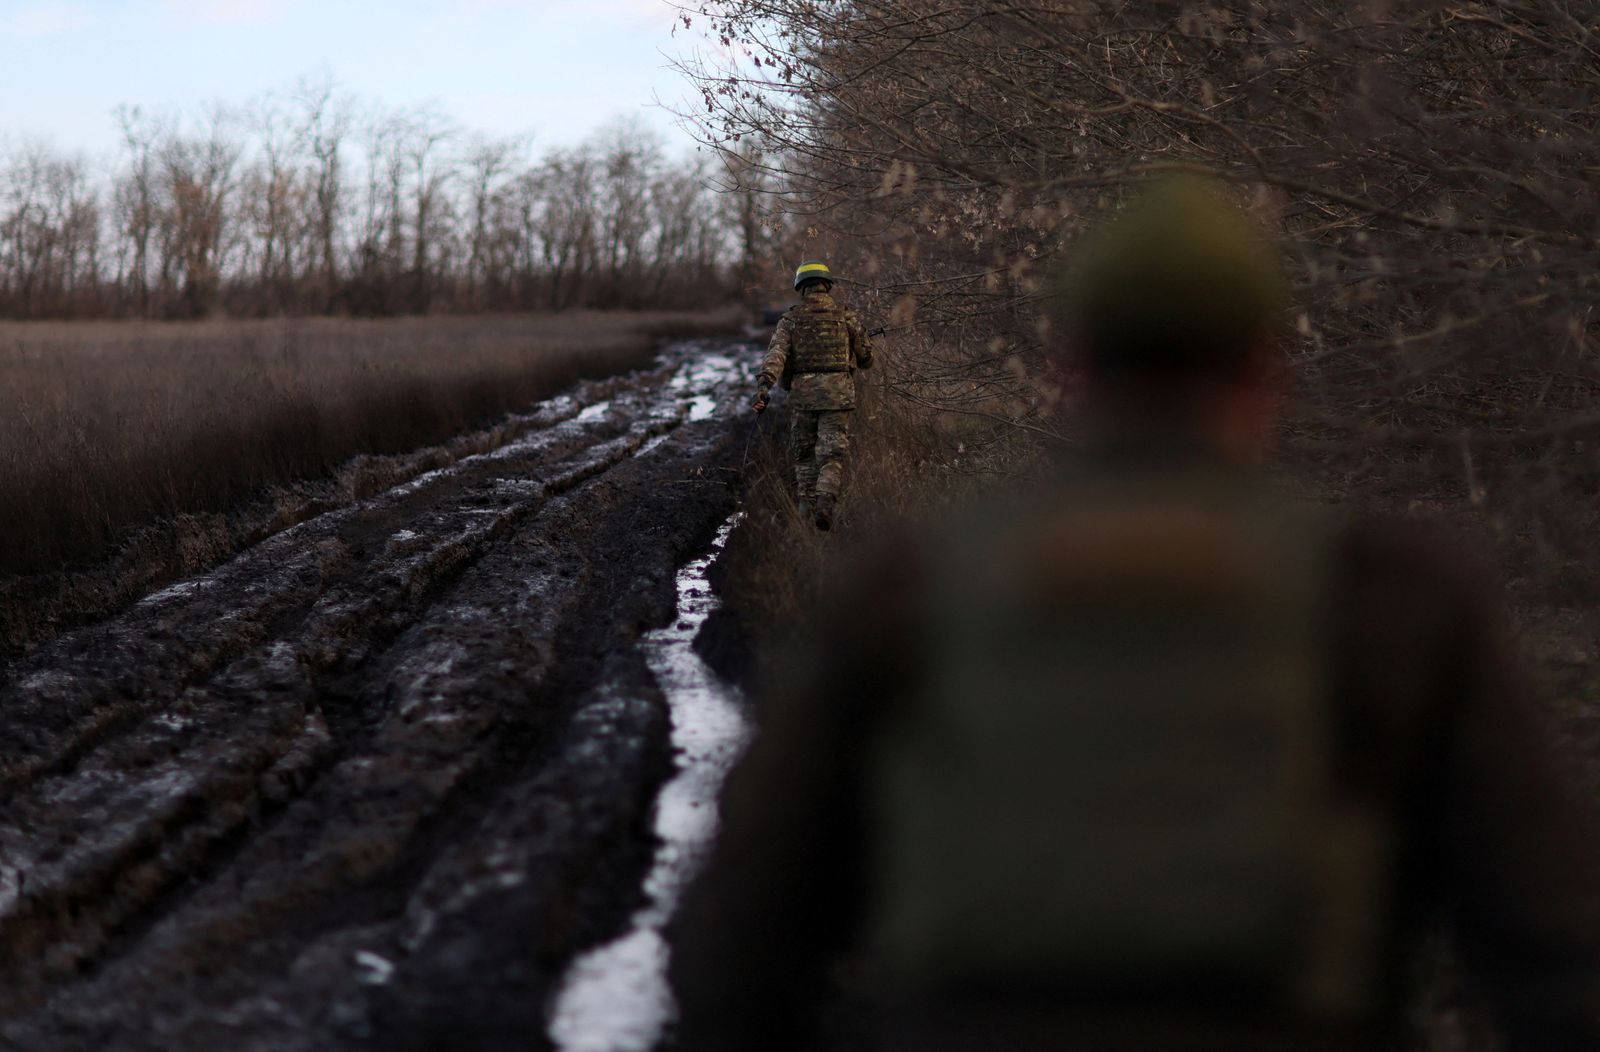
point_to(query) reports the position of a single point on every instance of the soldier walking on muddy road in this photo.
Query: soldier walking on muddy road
(814, 353)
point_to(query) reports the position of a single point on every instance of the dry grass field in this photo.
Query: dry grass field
(109, 425)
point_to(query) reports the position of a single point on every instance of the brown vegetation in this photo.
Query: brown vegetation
(1432, 167)
(112, 424)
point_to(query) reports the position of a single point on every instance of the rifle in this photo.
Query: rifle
(755, 428)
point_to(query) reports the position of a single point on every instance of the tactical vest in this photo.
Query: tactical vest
(821, 342)
(1120, 776)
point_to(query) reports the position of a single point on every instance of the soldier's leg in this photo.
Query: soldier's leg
(833, 442)
(803, 451)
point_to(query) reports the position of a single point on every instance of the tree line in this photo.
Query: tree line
(309, 202)
(1435, 169)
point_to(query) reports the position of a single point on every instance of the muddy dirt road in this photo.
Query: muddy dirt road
(378, 780)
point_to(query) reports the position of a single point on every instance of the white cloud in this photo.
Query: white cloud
(47, 19)
(226, 12)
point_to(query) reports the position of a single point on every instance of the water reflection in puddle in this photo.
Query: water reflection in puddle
(615, 998)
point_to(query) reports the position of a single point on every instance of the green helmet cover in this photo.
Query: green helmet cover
(1181, 280)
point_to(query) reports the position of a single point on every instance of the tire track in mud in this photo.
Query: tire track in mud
(379, 777)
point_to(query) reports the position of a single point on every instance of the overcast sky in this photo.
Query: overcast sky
(555, 68)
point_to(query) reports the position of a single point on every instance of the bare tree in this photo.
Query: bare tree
(426, 132)
(380, 233)
(630, 160)
(1436, 166)
(569, 229)
(199, 177)
(326, 116)
(78, 210)
(25, 224)
(488, 162)
(136, 198)
(272, 191)
(747, 190)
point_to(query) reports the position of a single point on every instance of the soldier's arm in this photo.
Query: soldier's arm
(777, 354)
(1522, 847)
(860, 341)
(1495, 834)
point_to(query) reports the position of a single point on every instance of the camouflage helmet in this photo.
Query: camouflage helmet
(812, 270)
(1181, 281)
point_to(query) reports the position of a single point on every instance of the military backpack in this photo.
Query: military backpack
(821, 341)
(1119, 778)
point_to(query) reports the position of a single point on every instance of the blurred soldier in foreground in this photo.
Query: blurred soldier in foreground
(814, 353)
(1148, 757)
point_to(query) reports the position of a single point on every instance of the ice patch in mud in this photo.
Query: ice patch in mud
(47, 678)
(652, 444)
(705, 371)
(373, 969)
(175, 591)
(702, 408)
(422, 481)
(615, 998)
(594, 412)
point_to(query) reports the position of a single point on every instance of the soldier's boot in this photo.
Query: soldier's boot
(825, 503)
(805, 511)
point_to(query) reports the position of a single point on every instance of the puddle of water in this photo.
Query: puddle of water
(700, 380)
(702, 407)
(712, 368)
(615, 998)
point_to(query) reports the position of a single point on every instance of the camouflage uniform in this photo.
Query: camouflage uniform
(827, 343)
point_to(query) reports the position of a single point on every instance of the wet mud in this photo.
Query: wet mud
(379, 779)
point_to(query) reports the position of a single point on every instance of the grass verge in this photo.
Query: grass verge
(112, 425)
